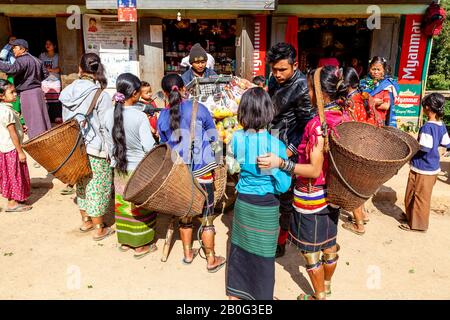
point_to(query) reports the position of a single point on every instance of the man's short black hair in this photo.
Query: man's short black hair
(282, 51)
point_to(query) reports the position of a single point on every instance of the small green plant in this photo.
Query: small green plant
(409, 127)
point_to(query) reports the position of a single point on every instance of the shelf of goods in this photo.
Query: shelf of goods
(221, 95)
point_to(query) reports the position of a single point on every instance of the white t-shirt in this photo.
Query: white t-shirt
(7, 117)
(209, 64)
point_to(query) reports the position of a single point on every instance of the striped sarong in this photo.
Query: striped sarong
(135, 226)
(251, 262)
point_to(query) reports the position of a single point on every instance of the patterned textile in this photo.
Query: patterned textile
(314, 232)
(206, 178)
(251, 262)
(255, 227)
(94, 193)
(135, 226)
(309, 200)
(14, 178)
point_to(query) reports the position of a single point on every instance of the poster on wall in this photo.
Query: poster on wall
(105, 32)
(116, 62)
(411, 67)
(114, 42)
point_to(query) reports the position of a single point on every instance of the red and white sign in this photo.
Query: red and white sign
(413, 50)
(127, 14)
(407, 100)
(260, 45)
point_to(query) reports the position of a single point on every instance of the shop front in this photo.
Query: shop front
(217, 37)
(167, 30)
(353, 31)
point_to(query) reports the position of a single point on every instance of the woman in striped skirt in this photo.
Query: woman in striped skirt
(251, 262)
(314, 223)
(129, 139)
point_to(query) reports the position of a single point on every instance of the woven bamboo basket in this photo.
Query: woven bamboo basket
(362, 157)
(410, 140)
(163, 183)
(61, 151)
(220, 182)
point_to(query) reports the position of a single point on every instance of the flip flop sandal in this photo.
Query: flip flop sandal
(151, 249)
(19, 208)
(124, 248)
(218, 267)
(195, 252)
(108, 233)
(351, 219)
(67, 191)
(406, 227)
(82, 230)
(320, 296)
(351, 227)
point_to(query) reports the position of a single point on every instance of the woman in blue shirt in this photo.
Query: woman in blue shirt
(251, 263)
(174, 129)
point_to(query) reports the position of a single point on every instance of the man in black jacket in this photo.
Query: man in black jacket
(289, 92)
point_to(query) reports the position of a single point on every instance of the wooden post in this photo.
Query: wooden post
(168, 241)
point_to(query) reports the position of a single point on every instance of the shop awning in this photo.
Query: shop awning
(189, 4)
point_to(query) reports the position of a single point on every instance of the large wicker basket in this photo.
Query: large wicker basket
(410, 140)
(220, 182)
(163, 183)
(61, 151)
(362, 157)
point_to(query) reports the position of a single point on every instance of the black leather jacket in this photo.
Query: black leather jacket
(293, 109)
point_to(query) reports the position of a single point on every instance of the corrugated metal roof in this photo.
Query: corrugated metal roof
(189, 4)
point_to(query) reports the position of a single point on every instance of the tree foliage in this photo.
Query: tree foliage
(439, 71)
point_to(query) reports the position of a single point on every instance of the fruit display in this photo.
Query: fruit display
(225, 103)
(226, 127)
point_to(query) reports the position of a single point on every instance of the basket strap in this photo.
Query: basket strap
(345, 181)
(192, 128)
(320, 107)
(92, 106)
(69, 155)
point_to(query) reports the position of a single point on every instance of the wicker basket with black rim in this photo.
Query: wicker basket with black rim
(162, 182)
(61, 151)
(362, 157)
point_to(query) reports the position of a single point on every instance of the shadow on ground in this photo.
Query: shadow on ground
(39, 188)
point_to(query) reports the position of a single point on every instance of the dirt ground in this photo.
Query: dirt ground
(43, 256)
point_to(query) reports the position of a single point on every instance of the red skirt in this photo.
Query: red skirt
(14, 178)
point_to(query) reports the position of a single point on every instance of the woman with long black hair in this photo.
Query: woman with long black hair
(129, 139)
(93, 193)
(174, 129)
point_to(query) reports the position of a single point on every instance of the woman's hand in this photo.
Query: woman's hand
(378, 101)
(25, 129)
(268, 161)
(22, 157)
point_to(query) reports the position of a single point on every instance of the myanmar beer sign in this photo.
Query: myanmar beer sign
(407, 103)
(412, 60)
